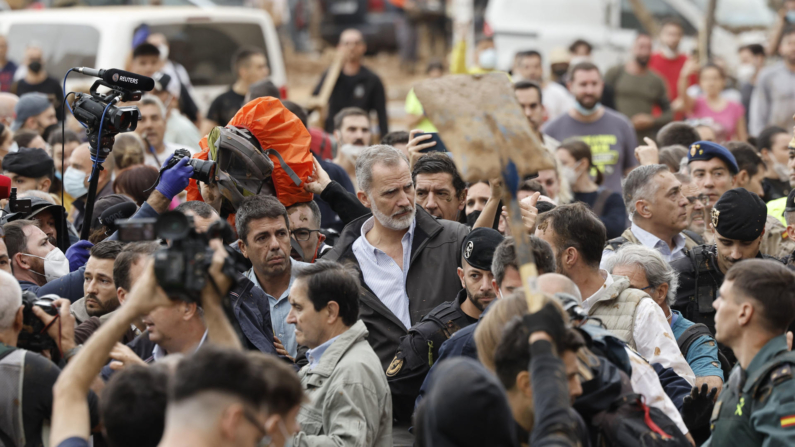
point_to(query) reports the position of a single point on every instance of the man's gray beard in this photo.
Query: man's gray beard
(392, 223)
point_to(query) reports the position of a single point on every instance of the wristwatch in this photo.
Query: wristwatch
(71, 352)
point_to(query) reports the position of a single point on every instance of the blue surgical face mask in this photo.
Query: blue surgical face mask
(74, 182)
(587, 112)
(791, 16)
(58, 175)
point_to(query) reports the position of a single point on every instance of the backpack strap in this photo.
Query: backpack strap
(601, 200)
(695, 236)
(287, 169)
(690, 335)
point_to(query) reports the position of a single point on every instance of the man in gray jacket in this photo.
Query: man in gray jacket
(348, 399)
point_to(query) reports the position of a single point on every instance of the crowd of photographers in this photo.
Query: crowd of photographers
(255, 286)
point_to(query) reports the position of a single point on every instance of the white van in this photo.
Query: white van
(201, 39)
(611, 26)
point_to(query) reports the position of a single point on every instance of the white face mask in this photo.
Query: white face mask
(745, 72)
(570, 174)
(55, 264)
(488, 59)
(353, 151)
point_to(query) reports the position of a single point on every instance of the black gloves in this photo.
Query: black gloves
(697, 407)
(548, 320)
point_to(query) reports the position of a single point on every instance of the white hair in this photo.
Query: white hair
(10, 299)
(651, 262)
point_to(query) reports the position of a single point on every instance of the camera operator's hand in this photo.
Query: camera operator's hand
(318, 181)
(63, 331)
(546, 324)
(219, 328)
(174, 180)
(123, 357)
(146, 295)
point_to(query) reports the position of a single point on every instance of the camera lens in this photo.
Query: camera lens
(203, 171)
(172, 225)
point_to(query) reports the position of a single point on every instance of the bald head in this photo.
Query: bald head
(552, 283)
(10, 300)
(7, 103)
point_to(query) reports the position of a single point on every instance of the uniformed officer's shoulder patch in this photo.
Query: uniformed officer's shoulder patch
(394, 367)
(781, 374)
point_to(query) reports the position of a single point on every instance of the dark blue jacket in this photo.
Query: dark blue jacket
(69, 286)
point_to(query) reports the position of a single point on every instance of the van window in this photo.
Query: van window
(206, 49)
(64, 46)
(659, 9)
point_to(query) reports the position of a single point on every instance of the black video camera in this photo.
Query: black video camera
(181, 269)
(34, 335)
(203, 170)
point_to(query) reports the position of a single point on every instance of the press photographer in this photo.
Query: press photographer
(28, 376)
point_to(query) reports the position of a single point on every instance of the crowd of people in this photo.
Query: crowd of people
(359, 292)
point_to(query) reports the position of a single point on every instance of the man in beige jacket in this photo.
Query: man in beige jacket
(349, 402)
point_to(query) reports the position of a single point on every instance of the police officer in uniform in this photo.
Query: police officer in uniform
(757, 405)
(789, 217)
(420, 347)
(738, 226)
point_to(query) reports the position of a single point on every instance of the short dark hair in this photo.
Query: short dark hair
(765, 140)
(528, 53)
(438, 163)
(137, 182)
(748, 159)
(578, 43)
(221, 370)
(23, 137)
(15, 239)
(346, 112)
(57, 138)
(677, 132)
(297, 110)
(532, 185)
(329, 281)
(258, 207)
(316, 216)
(583, 66)
(575, 225)
(242, 55)
(133, 406)
(263, 89)
(129, 256)
(524, 85)
(107, 249)
(505, 256)
(145, 49)
(769, 283)
(755, 49)
(512, 354)
(672, 156)
(197, 207)
(396, 137)
(284, 387)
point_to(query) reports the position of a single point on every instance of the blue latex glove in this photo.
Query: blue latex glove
(173, 181)
(78, 254)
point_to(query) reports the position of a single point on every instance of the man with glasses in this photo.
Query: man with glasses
(305, 229)
(696, 209)
(658, 210)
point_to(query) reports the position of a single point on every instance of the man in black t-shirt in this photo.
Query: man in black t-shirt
(249, 65)
(356, 86)
(37, 80)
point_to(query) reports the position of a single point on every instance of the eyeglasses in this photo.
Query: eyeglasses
(303, 234)
(703, 198)
(251, 418)
(645, 288)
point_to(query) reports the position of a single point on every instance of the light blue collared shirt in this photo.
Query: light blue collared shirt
(382, 274)
(652, 241)
(313, 355)
(280, 308)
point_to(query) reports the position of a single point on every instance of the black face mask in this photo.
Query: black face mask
(472, 218)
(35, 66)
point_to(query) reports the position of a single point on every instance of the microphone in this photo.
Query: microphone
(121, 78)
(5, 187)
(109, 217)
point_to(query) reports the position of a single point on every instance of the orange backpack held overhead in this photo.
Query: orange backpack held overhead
(263, 149)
